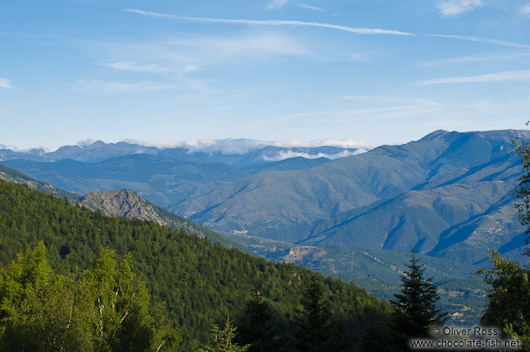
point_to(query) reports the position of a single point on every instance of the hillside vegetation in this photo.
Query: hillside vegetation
(199, 282)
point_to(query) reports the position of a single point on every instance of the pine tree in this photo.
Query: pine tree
(314, 324)
(415, 306)
(256, 327)
(222, 340)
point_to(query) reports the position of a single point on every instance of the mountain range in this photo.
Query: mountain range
(462, 293)
(447, 195)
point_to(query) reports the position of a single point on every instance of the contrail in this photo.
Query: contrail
(270, 23)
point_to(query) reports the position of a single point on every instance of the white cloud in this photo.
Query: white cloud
(271, 23)
(243, 145)
(178, 57)
(525, 10)
(482, 40)
(360, 57)
(451, 8)
(5, 84)
(473, 59)
(152, 67)
(393, 100)
(513, 76)
(276, 4)
(309, 7)
(288, 154)
(112, 87)
(341, 143)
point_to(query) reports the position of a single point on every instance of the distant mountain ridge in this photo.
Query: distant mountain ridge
(241, 153)
(432, 195)
(447, 194)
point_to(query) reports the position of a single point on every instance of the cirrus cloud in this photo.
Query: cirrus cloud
(452, 8)
(270, 23)
(276, 4)
(96, 87)
(511, 76)
(525, 10)
(5, 84)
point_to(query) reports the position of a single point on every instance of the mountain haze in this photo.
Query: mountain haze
(447, 194)
(393, 197)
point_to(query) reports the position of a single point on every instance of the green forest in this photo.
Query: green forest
(192, 283)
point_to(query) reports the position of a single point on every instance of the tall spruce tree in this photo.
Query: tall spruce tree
(415, 306)
(314, 324)
(257, 326)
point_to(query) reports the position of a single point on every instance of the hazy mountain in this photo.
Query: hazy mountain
(18, 177)
(435, 195)
(162, 180)
(447, 194)
(128, 204)
(241, 153)
(459, 220)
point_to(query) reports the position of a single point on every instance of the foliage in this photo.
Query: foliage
(198, 282)
(314, 323)
(415, 306)
(509, 297)
(318, 330)
(104, 309)
(222, 340)
(258, 326)
(522, 192)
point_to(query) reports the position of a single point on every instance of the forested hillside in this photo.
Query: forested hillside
(200, 283)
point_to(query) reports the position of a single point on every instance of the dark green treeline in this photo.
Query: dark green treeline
(200, 283)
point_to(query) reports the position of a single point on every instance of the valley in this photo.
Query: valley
(447, 196)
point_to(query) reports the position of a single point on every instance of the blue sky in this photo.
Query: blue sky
(164, 71)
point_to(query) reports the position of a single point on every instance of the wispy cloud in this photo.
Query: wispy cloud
(276, 4)
(180, 56)
(151, 67)
(451, 8)
(392, 100)
(385, 107)
(473, 59)
(360, 56)
(111, 87)
(525, 10)
(5, 84)
(482, 40)
(270, 23)
(510, 76)
(309, 7)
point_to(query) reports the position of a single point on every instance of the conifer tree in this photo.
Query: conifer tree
(414, 306)
(223, 340)
(256, 327)
(314, 324)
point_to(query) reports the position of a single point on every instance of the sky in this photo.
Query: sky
(357, 71)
